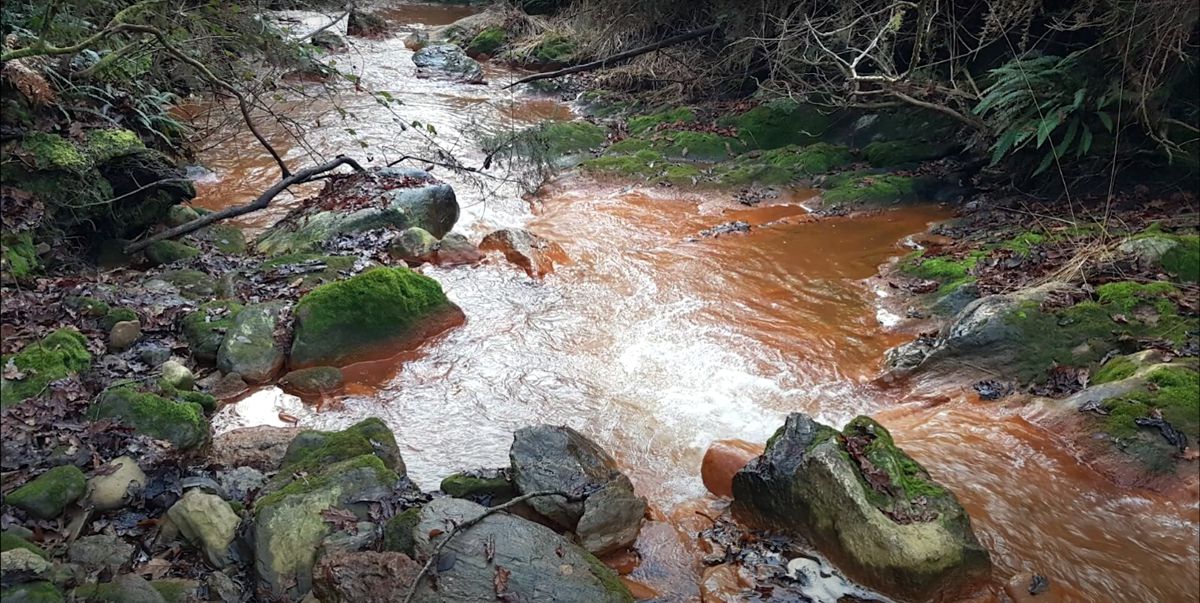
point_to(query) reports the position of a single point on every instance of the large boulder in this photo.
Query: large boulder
(448, 60)
(250, 348)
(350, 320)
(607, 516)
(392, 198)
(866, 505)
(507, 555)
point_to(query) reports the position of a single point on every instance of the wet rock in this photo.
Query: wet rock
(315, 380)
(329, 41)
(190, 284)
(239, 482)
(181, 423)
(448, 60)
(547, 457)
(398, 532)
(250, 348)
(348, 320)
(290, 523)
(456, 250)
(1028, 587)
(161, 253)
(100, 552)
(259, 447)
(364, 576)
(207, 522)
(722, 460)
(32, 592)
(228, 386)
(416, 40)
(205, 328)
(312, 449)
(391, 198)
(534, 254)
(413, 245)
(864, 504)
(47, 495)
(124, 334)
(127, 588)
(177, 376)
(540, 564)
(482, 485)
(115, 484)
(722, 584)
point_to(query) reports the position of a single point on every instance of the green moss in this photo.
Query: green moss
(225, 237)
(53, 152)
(644, 164)
(951, 273)
(1183, 260)
(1121, 367)
(608, 578)
(311, 450)
(181, 423)
(205, 328)
(169, 252)
(19, 255)
(398, 532)
(326, 477)
(643, 123)
(1127, 295)
(10, 541)
(682, 175)
(174, 591)
(554, 49)
(908, 480)
(46, 496)
(902, 152)
(32, 592)
(86, 305)
(701, 146)
(466, 485)
(1024, 243)
(870, 190)
(205, 401)
(336, 320)
(783, 165)
(631, 145)
(192, 284)
(103, 145)
(1173, 391)
(57, 356)
(780, 123)
(487, 41)
(116, 315)
(565, 138)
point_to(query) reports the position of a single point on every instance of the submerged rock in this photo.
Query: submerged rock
(864, 504)
(532, 253)
(390, 198)
(536, 563)
(47, 495)
(448, 60)
(547, 457)
(340, 322)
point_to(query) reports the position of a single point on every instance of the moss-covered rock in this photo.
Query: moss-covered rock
(892, 153)
(311, 450)
(871, 190)
(780, 123)
(866, 505)
(47, 495)
(560, 144)
(169, 252)
(18, 255)
(135, 207)
(312, 268)
(107, 144)
(1172, 393)
(642, 164)
(179, 215)
(312, 381)
(59, 355)
(1178, 255)
(10, 541)
(492, 486)
(951, 272)
(205, 328)
(53, 152)
(87, 305)
(249, 347)
(782, 165)
(32, 592)
(116, 315)
(194, 284)
(335, 322)
(290, 524)
(226, 238)
(487, 41)
(554, 49)
(398, 531)
(181, 423)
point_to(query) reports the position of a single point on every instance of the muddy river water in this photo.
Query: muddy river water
(655, 343)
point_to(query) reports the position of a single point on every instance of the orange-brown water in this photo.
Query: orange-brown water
(656, 342)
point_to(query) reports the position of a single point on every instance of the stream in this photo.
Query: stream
(655, 342)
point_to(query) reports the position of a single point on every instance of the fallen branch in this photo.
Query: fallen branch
(462, 527)
(261, 202)
(620, 56)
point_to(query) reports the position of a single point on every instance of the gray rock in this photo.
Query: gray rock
(207, 522)
(249, 348)
(115, 484)
(547, 457)
(153, 353)
(364, 576)
(124, 334)
(127, 588)
(260, 447)
(908, 537)
(456, 250)
(448, 60)
(543, 566)
(240, 481)
(396, 199)
(413, 245)
(223, 588)
(101, 551)
(178, 376)
(23, 561)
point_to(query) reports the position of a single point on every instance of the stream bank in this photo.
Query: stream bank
(663, 330)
